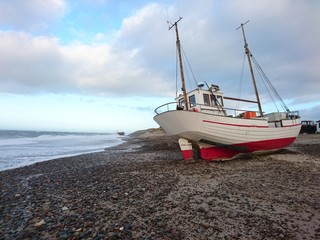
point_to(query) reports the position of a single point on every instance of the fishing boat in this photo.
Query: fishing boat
(203, 124)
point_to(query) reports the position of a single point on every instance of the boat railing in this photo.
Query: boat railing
(203, 108)
(171, 106)
(294, 114)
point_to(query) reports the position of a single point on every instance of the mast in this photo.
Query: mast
(250, 65)
(175, 25)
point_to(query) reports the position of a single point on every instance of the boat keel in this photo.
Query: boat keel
(213, 153)
(210, 152)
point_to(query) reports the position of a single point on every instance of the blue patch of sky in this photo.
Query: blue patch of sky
(85, 19)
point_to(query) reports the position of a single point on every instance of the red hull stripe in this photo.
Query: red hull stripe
(242, 125)
(214, 153)
(236, 125)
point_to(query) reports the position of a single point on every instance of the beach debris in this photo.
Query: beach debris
(65, 208)
(39, 224)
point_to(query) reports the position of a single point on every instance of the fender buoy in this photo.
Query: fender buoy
(195, 109)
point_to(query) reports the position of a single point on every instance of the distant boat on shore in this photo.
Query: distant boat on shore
(121, 133)
(199, 117)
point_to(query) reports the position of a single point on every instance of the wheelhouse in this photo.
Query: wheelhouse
(200, 100)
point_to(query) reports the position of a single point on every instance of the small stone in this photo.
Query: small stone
(26, 234)
(105, 228)
(281, 235)
(39, 224)
(121, 228)
(112, 235)
(101, 236)
(94, 234)
(205, 225)
(65, 209)
(65, 234)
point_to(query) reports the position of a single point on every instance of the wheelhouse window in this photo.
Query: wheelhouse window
(213, 100)
(220, 100)
(206, 99)
(192, 100)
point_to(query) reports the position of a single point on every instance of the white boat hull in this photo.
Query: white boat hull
(220, 137)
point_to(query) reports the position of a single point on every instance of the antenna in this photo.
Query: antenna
(242, 24)
(171, 25)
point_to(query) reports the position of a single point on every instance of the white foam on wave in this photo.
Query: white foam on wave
(16, 141)
(21, 150)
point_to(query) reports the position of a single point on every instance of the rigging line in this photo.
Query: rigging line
(282, 103)
(167, 13)
(264, 83)
(271, 86)
(220, 108)
(176, 72)
(241, 76)
(188, 77)
(189, 65)
(265, 80)
(240, 84)
(178, 6)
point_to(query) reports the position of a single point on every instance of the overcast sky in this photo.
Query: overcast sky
(105, 65)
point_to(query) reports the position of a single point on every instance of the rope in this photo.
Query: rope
(266, 79)
(264, 83)
(240, 85)
(186, 74)
(176, 72)
(189, 65)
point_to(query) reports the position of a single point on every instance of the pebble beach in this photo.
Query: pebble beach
(143, 189)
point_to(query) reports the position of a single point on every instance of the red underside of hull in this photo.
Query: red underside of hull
(217, 152)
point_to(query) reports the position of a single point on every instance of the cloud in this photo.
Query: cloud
(311, 113)
(282, 36)
(31, 15)
(40, 63)
(139, 58)
(30, 63)
(103, 70)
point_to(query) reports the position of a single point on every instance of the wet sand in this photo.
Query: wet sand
(143, 189)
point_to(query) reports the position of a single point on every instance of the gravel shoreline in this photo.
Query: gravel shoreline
(142, 189)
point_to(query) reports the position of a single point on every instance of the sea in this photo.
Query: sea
(22, 148)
